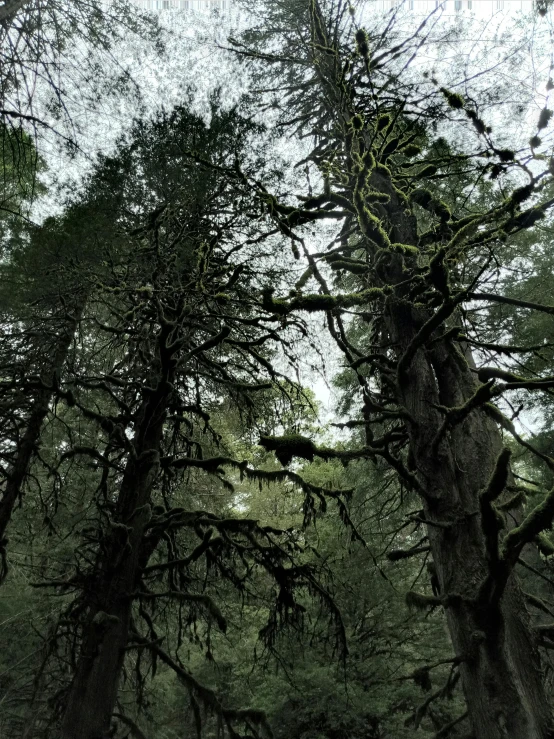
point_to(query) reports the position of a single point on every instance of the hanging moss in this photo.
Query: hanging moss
(362, 42)
(405, 249)
(367, 161)
(383, 121)
(499, 477)
(479, 124)
(453, 99)
(373, 196)
(544, 118)
(411, 150)
(532, 525)
(350, 265)
(357, 122)
(442, 210)
(438, 273)
(382, 169)
(304, 278)
(372, 227)
(422, 678)
(425, 199)
(428, 171)
(289, 446)
(528, 218)
(421, 196)
(521, 194)
(505, 155)
(390, 148)
(515, 501)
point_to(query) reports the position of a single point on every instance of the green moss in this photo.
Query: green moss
(442, 210)
(357, 122)
(411, 150)
(544, 544)
(371, 225)
(425, 199)
(421, 196)
(289, 446)
(521, 194)
(477, 122)
(533, 524)
(373, 196)
(313, 303)
(390, 148)
(362, 42)
(453, 99)
(505, 155)
(304, 278)
(438, 273)
(405, 249)
(515, 501)
(368, 161)
(383, 170)
(528, 218)
(420, 602)
(350, 265)
(383, 121)
(428, 171)
(544, 118)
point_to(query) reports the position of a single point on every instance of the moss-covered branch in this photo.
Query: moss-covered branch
(425, 333)
(458, 414)
(539, 519)
(206, 696)
(511, 301)
(490, 521)
(318, 302)
(207, 603)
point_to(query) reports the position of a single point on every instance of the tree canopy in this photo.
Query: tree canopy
(189, 546)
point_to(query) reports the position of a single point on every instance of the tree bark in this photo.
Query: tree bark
(93, 692)
(50, 380)
(501, 671)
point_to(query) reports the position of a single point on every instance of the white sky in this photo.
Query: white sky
(194, 62)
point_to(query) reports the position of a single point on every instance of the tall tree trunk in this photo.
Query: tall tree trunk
(501, 672)
(50, 380)
(93, 692)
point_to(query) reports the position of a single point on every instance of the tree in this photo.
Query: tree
(165, 259)
(413, 268)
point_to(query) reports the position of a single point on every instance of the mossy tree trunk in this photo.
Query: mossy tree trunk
(93, 692)
(500, 668)
(413, 368)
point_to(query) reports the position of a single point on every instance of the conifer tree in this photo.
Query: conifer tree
(152, 309)
(412, 269)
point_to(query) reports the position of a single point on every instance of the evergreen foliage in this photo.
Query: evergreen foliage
(184, 549)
